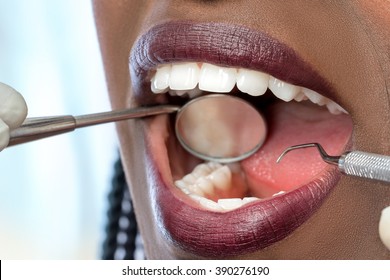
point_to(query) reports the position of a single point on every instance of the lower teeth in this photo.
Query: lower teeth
(216, 187)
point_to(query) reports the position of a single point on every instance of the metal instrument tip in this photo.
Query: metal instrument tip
(327, 158)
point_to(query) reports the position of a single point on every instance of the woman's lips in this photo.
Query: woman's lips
(219, 44)
(256, 225)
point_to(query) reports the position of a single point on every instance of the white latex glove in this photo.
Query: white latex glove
(13, 111)
(384, 227)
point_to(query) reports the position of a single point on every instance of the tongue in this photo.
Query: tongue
(292, 124)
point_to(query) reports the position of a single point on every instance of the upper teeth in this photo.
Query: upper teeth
(191, 78)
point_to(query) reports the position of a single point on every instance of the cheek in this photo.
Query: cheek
(118, 25)
(377, 10)
(374, 16)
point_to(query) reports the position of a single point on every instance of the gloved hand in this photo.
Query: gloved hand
(13, 111)
(384, 227)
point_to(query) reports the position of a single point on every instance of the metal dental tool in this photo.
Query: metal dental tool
(216, 127)
(355, 163)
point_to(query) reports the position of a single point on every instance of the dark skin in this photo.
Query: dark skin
(346, 41)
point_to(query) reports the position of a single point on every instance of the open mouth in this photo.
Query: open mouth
(215, 210)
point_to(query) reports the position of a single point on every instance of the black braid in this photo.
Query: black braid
(121, 229)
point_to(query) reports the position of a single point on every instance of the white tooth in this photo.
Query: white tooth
(205, 169)
(205, 185)
(332, 108)
(230, 203)
(254, 83)
(157, 91)
(160, 80)
(183, 186)
(189, 178)
(177, 92)
(300, 97)
(186, 191)
(195, 197)
(221, 177)
(279, 193)
(314, 96)
(217, 79)
(189, 188)
(342, 110)
(194, 92)
(209, 204)
(194, 189)
(180, 184)
(335, 109)
(214, 165)
(283, 90)
(317, 98)
(247, 200)
(204, 178)
(184, 76)
(384, 227)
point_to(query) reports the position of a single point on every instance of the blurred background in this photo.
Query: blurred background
(53, 192)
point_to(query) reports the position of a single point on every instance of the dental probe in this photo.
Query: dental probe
(215, 127)
(354, 163)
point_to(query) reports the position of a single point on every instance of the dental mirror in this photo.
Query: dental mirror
(220, 128)
(216, 127)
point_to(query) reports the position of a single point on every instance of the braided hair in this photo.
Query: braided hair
(122, 239)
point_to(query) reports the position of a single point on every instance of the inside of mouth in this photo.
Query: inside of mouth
(259, 176)
(294, 115)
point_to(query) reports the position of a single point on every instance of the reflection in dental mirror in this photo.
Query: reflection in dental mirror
(220, 128)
